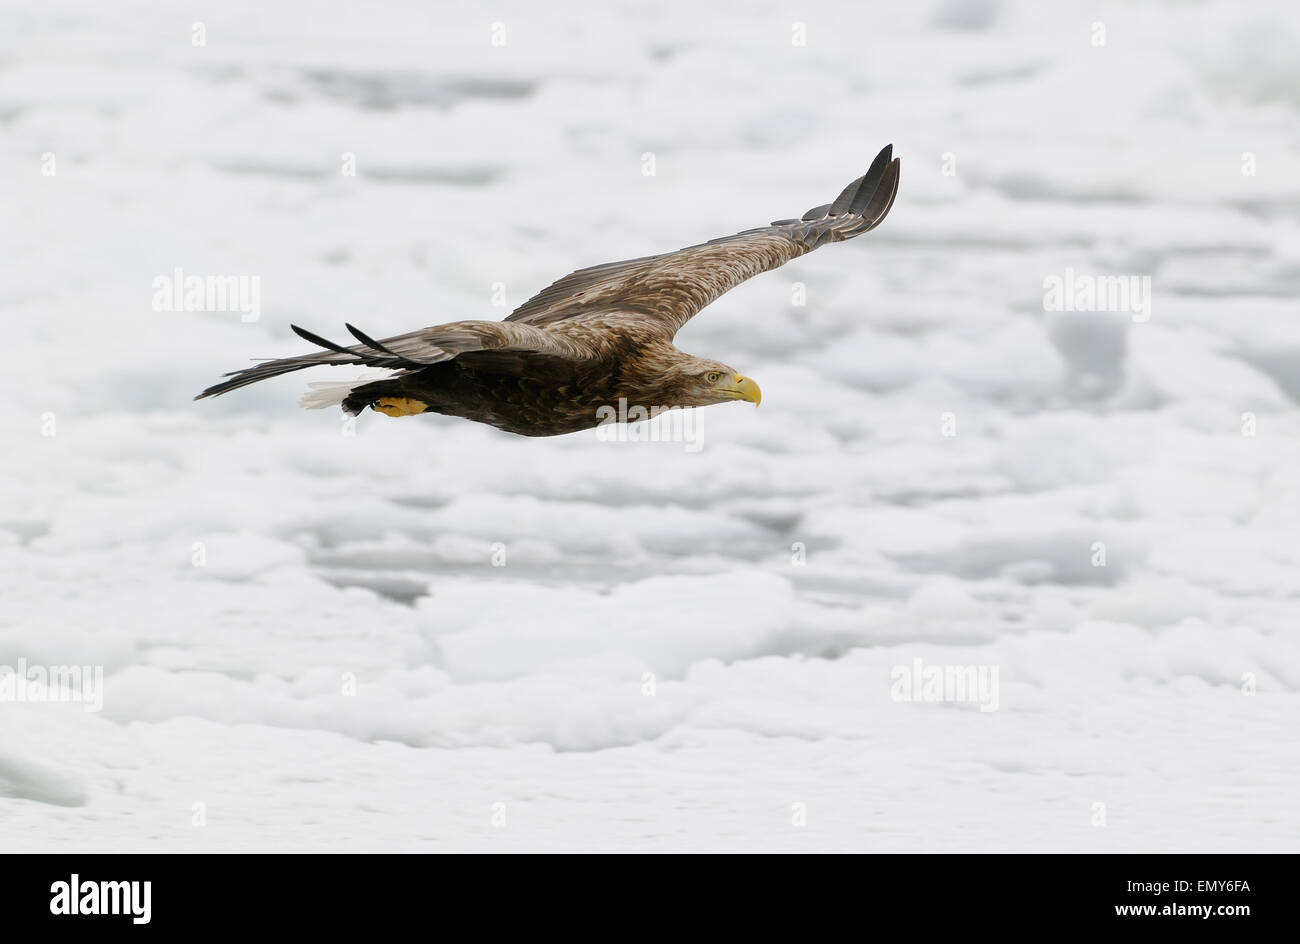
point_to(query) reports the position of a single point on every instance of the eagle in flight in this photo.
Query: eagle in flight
(597, 337)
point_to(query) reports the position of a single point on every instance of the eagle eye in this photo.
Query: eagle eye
(713, 376)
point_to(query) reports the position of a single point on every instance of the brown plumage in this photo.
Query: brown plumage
(595, 337)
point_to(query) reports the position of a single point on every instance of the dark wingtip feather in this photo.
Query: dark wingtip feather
(856, 194)
(882, 200)
(368, 341)
(321, 342)
(878, 194)
(860, 207)
(374, 345)
(277, 366)
(816, 213)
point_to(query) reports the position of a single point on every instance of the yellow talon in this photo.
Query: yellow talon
(400, 406)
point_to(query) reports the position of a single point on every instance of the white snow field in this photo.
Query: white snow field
(423, 634)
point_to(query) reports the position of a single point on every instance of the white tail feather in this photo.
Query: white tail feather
(327, 393)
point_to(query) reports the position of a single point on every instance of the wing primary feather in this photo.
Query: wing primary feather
(841, 203)
(318, 340)
(370, 342)
(878, 193)
(856, 194)
(882, 200)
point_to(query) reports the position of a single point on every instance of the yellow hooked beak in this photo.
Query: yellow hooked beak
(742, 388)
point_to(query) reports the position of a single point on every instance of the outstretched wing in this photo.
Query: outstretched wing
(669, 289)
(416, 350)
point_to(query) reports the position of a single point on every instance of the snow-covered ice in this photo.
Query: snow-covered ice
(423, 634)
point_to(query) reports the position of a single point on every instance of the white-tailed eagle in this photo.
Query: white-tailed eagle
(596, 337)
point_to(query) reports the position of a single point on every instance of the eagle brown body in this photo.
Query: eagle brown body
(531, 394)
(596, 338)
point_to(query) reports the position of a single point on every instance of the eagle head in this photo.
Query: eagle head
(698, 381)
